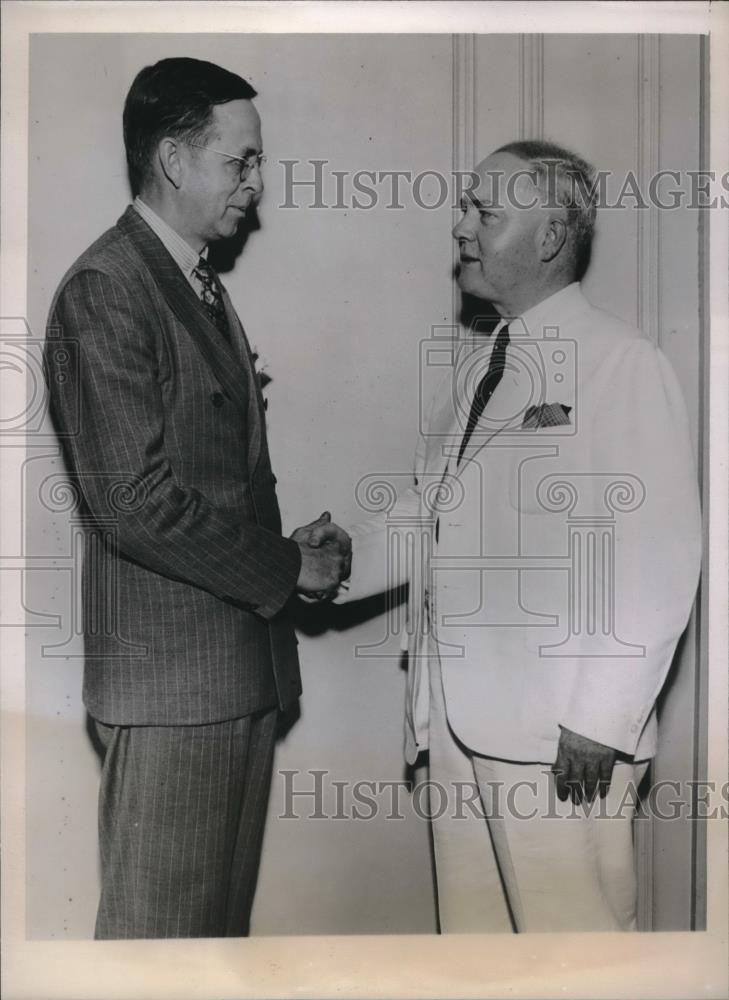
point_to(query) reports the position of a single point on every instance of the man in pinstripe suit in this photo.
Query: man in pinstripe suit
(189, 650)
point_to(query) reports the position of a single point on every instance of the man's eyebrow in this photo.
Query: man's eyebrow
(477, 202)
(245, 153)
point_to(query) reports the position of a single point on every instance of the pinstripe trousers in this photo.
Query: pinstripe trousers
(181, 817)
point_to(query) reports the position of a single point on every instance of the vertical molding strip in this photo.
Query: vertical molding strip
(464, 101)
(648, 163)
(464, 130)
(531, 86)
(701, 699)
(648, 158)
(643, 854)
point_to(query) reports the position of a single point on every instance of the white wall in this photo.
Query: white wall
(76, 175)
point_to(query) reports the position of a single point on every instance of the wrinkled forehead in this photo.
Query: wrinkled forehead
(504, 180)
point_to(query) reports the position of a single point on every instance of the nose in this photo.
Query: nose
(254, 180)
(463, 230)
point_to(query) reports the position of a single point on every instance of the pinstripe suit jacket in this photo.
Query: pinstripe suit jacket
(186, 574)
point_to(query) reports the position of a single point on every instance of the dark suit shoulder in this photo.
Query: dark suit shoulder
(114, 255)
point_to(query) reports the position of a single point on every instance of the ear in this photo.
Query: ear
(553, 236)
(170, 160)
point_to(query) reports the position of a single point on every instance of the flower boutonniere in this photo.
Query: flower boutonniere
(261, 365)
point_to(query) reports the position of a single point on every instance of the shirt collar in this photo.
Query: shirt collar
(184, 256)
(549, 310)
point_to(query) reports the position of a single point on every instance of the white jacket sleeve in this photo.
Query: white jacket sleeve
(374, 570)
(642, 430)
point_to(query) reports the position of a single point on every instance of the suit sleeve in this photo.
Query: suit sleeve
(110, 414)
(642, 430)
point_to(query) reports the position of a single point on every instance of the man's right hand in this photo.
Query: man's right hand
(326, 557)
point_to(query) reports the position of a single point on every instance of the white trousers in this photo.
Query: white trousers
(510, 856)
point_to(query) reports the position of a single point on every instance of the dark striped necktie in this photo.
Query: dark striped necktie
(212, 297)
(487, 385)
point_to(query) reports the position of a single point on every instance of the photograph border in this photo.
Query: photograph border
(662, 965)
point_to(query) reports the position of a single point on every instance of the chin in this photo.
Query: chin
(228, 228)
(471, 286)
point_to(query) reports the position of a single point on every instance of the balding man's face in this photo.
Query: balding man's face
(498, 237)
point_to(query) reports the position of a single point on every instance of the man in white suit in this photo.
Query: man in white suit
(552, 547)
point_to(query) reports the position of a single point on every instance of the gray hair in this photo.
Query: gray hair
(568, 181)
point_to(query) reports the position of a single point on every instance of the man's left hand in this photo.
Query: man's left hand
(583, 767)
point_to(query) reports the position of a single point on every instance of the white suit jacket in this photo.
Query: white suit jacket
(557, 562)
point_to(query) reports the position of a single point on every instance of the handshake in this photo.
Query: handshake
(326, 558)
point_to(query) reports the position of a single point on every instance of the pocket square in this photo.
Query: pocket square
(546, 415)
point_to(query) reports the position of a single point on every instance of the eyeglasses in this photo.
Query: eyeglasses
(247, 163)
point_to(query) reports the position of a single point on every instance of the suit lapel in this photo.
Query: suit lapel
(227, 365)
(256, 412)
(483, 434)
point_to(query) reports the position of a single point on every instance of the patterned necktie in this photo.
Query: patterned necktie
(485, 388)
(212, 297)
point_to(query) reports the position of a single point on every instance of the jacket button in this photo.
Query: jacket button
(217, 398)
